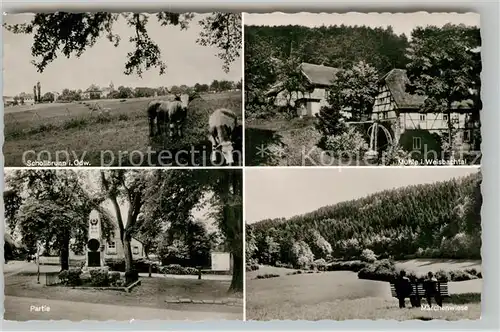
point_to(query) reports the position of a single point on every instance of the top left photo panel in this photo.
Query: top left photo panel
(122, 89)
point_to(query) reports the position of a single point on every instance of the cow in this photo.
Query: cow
(165, 112)
(222, 124)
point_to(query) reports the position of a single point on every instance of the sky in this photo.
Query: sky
(287, 192)
(187, 62)
(400, 22)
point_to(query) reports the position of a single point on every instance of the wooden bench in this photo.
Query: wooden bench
(418, 288)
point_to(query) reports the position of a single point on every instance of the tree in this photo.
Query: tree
(38, 96)
(215, 86)
(175, 90)
(51, 207)
(34, 94)
(183, 190)
(445, 66)
(132, 186)
(352, 91)
(70, 34)
(48, 97)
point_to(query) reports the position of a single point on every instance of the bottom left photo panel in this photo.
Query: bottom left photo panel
(120, 244)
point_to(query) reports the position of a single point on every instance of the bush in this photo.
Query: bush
(353, 266)
(368, 256)
(267, 276)
(383, 270)
(252, 267)
(320, 264)
(70, 277)
(114, 278)
(179, 270)
(348, 144)
(99, 277)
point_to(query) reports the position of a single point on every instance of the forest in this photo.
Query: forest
(439, 220)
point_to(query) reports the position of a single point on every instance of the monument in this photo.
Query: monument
(95, 242)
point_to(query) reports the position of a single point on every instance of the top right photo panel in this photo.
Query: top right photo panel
(357, 89)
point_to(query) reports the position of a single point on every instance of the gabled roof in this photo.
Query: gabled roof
(396, 81)
(319, 74)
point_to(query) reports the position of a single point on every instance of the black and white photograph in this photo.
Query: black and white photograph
(363, 243)
(122, 89)
(362, 89)
(123, 244)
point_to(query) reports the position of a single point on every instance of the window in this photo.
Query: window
(445, 117)
(417, 143)
(384, 115)
(422, 117)
(135, 250)
(111, 247)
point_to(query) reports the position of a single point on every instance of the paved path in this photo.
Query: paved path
(20, 309)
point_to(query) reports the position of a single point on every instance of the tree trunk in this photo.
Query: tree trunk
(237, 280)
(130, 277)
(64, 252)
(450, 136)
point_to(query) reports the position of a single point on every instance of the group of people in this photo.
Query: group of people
(404, 289)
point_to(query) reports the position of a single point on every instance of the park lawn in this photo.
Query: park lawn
(115, 140)
(341, 295)
(151, 293)
(365, 308)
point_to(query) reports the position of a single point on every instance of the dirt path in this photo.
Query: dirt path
(25, 308)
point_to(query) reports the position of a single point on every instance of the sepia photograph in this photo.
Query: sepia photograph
(362, 89)
(363, 243)
(123, 244)
(122, 89)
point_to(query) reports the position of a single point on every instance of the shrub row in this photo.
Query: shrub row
(179, 270)
(98, 278)
(353, 266)
(252, 267)
(141, 265)
(267, 276)
(385, 270)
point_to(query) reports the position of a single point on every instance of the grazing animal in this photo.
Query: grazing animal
(166, 112)
(222, 123)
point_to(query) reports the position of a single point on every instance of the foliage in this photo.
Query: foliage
(176, 269)
(114, 278)
(353, 266)
(348, 144)
(368, 256)
(444, 64)
(70, 34)
(99, 277)
(222, 30)
(267, 276)
(51, 207)
(390, 223)
(383, 270)
(302, 255)
(141, 265)
(70, 277)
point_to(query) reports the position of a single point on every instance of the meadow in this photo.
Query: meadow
(340, 295)
(71, 131)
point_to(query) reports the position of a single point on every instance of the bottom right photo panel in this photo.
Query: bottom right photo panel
(363, 243)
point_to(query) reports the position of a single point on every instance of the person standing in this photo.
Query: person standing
(431, 290)
(402, 287)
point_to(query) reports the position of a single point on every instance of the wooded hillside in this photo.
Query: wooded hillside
(440, 220)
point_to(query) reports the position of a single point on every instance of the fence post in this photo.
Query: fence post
(150, 269)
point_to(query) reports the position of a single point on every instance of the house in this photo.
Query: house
(96, 93)
(8, 101)
(415, 130)
(317, 78)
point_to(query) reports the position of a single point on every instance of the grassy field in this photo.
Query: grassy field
(120, 139)
(286, 143)
(340, 295)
